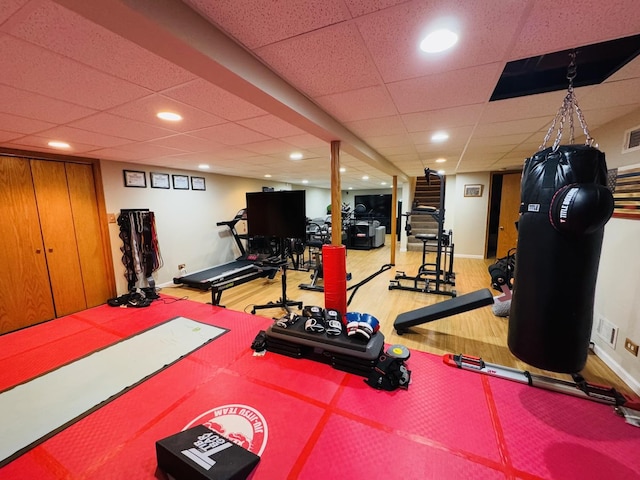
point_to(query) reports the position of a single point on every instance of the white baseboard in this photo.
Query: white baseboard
(617, 369)
(464, 255)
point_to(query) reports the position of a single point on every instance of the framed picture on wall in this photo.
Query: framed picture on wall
(134, 178)
(197, 183)
(473, 190)
(180, 182)
(159, 180)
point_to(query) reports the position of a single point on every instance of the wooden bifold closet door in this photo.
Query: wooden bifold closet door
(57, 246)
(25, 293)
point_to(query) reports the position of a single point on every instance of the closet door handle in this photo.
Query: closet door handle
(38, 250)
(50, 250)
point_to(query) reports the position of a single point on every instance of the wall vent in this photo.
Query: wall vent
(631, 140)
(607, 331)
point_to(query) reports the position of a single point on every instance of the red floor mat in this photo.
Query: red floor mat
(37, 360)
(559, 436)
(321, 422)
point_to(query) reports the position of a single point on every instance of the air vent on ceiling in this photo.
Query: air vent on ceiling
(631, 140)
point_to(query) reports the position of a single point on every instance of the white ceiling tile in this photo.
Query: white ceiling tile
(116, 154)
(230, 134)
(530, 125)
(145, 110)
(531, 106)
(66, 79)
(326, 61)
(10, 137)
(253, 23)
(213, 99)
(9, 8)
(121, 127)
(22, 124)
(450, 89)
(363, 7)
(374, 127)
(149, 150)
(272, 126)
(29, 105)
(443, 118)
(187, 143)
(40, 143)
(555, 25)
(77, 136)
(394, 34)
(612, 94)
(269, 147)
(306, 141)
(53, 27)
(371, 102)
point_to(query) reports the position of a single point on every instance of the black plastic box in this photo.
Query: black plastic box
(199, 453)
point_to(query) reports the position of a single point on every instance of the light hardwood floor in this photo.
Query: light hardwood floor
(478, 332)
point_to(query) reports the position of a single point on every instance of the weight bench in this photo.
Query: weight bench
(463, 303)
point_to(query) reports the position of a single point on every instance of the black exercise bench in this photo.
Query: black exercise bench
(463, 303)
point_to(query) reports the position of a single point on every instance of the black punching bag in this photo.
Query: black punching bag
(564, 206)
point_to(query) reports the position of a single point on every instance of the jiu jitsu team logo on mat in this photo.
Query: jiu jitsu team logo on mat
(241, 424)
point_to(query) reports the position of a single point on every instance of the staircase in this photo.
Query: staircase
(429, 195)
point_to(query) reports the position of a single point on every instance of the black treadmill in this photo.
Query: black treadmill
(227, 275)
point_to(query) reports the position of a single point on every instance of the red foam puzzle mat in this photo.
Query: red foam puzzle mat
(307, 420)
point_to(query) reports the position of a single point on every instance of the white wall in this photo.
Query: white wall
(618, 287)
(186, 219)
(467, 216)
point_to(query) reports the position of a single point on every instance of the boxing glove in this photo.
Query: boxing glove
(332, 322)
(580, 208)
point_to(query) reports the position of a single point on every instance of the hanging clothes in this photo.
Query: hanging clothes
(140, 248)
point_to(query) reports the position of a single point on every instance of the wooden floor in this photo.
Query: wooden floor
(478, 332)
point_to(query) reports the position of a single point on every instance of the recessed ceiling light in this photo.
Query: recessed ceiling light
(305, 181)
(441, 160)
(57, 144)
(169, 116)
(267, 176)
(295, 156)
(350, 188)
(439, 41)
(366, 177)
(202, 166)
(383, 183)
(342, 169)
(441, 172)
(439, 137)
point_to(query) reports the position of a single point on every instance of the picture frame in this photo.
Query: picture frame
(198, 183)
(134, 178)
(473, 190)
(180, 182)
(159, 180)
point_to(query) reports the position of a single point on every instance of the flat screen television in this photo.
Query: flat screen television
(277, 214)
(378, 207)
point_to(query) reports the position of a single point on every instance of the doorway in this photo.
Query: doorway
(504, 207)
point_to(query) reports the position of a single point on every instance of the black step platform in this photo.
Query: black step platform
(353, 355)
(463, 303)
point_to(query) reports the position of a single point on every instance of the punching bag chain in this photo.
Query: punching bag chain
(567, 110)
